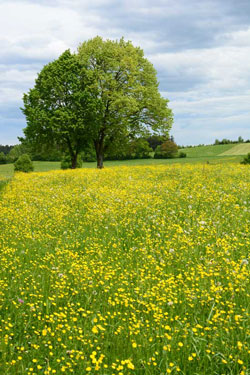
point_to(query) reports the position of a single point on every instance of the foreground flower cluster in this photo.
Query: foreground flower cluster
(140, 270)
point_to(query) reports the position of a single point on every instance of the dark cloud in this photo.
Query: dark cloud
(179, 24)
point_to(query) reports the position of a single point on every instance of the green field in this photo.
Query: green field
(200, 154)
(241, 149)
(194, 155)
(138, 270)
(206, 151)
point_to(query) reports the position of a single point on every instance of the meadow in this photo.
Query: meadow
(214, 154)
(126, 270)
(194, 155)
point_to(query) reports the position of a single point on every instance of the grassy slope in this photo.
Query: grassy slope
(241, 149)
(206, 151)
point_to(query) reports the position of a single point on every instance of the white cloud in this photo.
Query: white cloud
(222, 68)
(218, 104)
(207, 83)
(42, 31)
(15, 76)
(10, 95)
(202, 120)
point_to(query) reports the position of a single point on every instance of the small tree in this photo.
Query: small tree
(155, 140)
(23, 164)
(167, 150)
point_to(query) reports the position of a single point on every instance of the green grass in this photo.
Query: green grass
(241, 149)
(206, 151)
(7, 170)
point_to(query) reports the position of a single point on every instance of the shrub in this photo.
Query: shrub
(167, 150)
(246, 159)
(140, 149)
(89, 154)
(133, 149)
(23, 164)
(3, 158)
(16, 152)
(67, 164)
(182, 154)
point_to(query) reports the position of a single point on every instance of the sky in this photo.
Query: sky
(200, 49)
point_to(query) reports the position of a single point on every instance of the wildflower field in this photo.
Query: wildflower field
(131, 270)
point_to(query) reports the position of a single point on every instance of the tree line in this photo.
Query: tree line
(226, 141)
(137, 148)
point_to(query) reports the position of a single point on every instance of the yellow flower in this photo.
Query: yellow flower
(239, 345)
(44, 332)
(95, 329)
(130, 365)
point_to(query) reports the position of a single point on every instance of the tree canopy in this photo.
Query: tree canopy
(104, 94)
(57, 109)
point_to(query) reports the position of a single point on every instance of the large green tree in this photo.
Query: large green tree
(58, 107)
(124, 84)
(106, 93)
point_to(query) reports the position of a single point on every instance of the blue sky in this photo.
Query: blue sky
(200, 49)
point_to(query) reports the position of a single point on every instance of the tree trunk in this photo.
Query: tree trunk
(73, 161)
(99, 153)
(100, 161)
(73, 153)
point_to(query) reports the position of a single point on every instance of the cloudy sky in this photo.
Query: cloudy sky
(200, 49)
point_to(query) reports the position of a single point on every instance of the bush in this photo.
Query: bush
(140, 149)
(167, 150)
(16, 152)
(246, 159)
(182, 154)
(3, 158)
(67, 164)
(134, 149)
(89, 154)
(23, 164)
